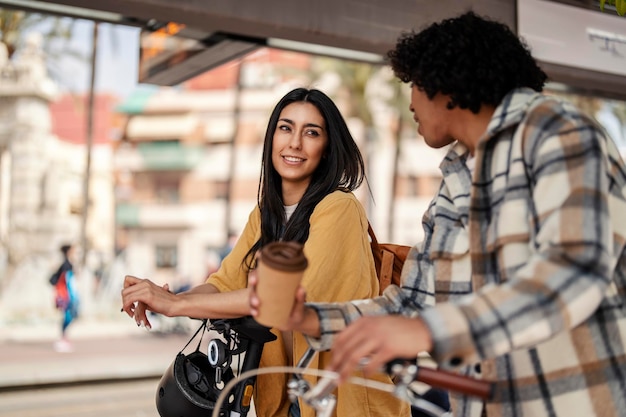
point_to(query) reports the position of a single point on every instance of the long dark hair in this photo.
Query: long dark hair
(341, 167)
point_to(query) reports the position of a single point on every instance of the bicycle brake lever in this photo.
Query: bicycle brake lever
(322, 389)
(325, 406)
(298, 386)
(402, 372)
(319, 397)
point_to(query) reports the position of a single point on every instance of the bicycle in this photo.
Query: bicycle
(208, 382)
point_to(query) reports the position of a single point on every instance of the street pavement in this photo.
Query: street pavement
(103, 349)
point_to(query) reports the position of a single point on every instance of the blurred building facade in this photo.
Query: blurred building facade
(175, 171)
(42, 178)
(26, 226)
(43, 161)
(187, 165)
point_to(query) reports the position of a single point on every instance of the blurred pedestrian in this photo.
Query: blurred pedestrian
(66, 297)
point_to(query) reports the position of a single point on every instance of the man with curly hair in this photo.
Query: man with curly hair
(524, 248)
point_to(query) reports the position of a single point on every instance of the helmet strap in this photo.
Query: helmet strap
(201, 328)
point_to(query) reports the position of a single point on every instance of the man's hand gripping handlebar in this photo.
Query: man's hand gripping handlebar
(404, 373)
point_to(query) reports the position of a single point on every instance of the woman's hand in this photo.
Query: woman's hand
(140, 295)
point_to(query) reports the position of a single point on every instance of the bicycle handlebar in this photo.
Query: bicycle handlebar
(454, 382)
(438, 378)
(404, 372)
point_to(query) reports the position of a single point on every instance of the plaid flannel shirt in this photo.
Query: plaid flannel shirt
(543, 233)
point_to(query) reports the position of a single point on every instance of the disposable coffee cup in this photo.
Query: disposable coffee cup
(279, 271)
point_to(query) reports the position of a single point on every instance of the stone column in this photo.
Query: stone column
(25, 94)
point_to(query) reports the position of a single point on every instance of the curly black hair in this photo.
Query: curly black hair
(470, 58)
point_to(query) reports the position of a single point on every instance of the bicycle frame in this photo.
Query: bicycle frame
(251, 337)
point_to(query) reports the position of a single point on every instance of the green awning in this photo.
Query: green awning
(136, 102)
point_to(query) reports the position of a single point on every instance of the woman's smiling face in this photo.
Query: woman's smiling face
(298, 145)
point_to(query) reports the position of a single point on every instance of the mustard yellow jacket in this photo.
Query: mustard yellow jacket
(341, 268)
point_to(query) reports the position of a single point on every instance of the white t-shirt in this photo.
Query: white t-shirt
(289, 211)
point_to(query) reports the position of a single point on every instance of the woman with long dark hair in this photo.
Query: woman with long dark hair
(310, 167)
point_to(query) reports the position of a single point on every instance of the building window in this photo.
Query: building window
(167, 188)
(166, 256)
(221, 189)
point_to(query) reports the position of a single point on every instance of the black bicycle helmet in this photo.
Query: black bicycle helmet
(188, 388)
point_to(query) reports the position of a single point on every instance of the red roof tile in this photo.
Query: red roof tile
(69, 118)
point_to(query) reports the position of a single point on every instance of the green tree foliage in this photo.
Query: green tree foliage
(56, 33)
(15, 23)
(354, 78)
(620, 5)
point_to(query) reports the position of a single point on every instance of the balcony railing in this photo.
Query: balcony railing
(154, 215)
(170, 155)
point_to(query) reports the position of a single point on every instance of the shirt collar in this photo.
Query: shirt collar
(511, 110)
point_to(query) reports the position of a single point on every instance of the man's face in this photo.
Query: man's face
(432, 117)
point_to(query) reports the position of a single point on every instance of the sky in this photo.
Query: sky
(116, 64)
